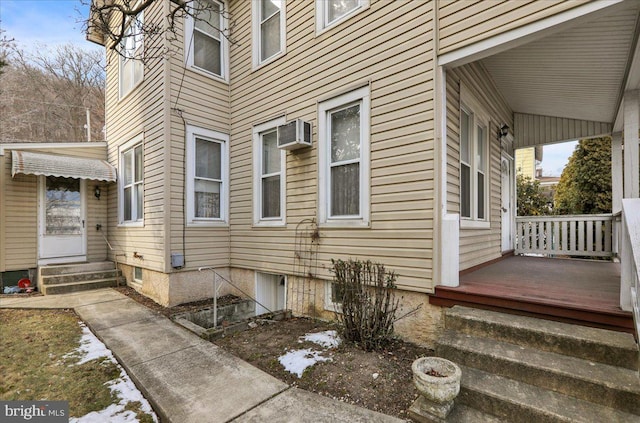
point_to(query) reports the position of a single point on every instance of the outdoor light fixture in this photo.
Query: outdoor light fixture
(503, 131)
(97, 192)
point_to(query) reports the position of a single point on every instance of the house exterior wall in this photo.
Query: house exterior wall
(526, 162)
(19, 210)
(462, 23)
(389, 48)
(142, 112)
(477, 245)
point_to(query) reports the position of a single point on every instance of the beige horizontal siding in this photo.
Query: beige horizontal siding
(390, 46)
(462, 23)
(141, 111)
(476, 245)
(531, 130)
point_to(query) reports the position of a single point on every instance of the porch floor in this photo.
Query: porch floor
(575, 291)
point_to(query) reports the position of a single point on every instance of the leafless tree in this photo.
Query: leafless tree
(114, 21)
(45, 96)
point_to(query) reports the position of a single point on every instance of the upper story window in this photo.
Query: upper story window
(473, 166)
(131, 53)
(330, 12)
(269, 30)
(207, 176)
(206, 45)
(269, 176)
(131, 186)
(343, 145)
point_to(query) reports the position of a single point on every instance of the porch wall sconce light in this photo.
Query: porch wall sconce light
(97, 192)
(503, 131)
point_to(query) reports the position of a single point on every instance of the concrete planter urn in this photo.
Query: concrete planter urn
(438, 382)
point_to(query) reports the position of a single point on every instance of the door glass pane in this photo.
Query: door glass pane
(270, 153)
(270, 37)
(345, 134)
(207, 198)
(206, 53)
(345, 190)
(208, 159)
(271, 196)
(338, 8)
(63, 206)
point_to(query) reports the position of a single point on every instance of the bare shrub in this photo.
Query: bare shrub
(366, 292)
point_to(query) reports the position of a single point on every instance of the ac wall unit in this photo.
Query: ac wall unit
(295, 134)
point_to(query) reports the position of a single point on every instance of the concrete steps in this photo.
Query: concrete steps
(62, 279)
(525, 369)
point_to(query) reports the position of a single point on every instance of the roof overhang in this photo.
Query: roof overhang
(29, 163)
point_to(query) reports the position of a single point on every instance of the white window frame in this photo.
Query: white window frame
(224, 45)
(223, 139)
(122, 150)
(256, 13)
(325, 108)
(135, 56)
(322, 14)
(133, 274)
(329, 303)
(478, 118)
(258, 220)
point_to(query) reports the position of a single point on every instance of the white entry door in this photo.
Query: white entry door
(270, 292)
(62, 231)
(507, 203)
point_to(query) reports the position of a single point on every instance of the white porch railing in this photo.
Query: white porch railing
(630, 260)
(571, 235)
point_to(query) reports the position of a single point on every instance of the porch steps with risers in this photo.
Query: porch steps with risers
(66, 278)
(523, 369)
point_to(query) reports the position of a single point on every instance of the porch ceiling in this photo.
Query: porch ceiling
(578, 73)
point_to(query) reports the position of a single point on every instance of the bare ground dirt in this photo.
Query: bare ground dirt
(379, 380)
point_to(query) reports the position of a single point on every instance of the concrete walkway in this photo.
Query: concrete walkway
(186, 378)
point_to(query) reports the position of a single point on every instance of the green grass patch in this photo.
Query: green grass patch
(37, 362)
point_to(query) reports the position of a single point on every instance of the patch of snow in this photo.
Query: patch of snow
(297, 361)
(326, 339)
(123, 388)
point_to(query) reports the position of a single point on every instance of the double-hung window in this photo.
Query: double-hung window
(330, 12)
(207, 176)
(269, 175)
(269, 29)
(343, 139)
(131, 52)
(473, 164)
(206, 45)
(131, 203)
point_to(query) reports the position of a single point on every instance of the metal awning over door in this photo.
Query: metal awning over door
(29, 163)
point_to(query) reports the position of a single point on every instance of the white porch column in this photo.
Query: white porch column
(631, 128)
(616, 172)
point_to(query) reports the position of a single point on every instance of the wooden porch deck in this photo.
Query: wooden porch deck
(574, 291)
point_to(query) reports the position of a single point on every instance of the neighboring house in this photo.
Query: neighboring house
(49, 210)
(528, 162)
(407, 164)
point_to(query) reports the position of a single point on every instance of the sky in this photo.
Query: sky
(555, 157)
(50, 22)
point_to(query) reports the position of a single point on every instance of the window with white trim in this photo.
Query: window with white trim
(131, 184)
(131, 53)
(207, 176)
(343, 145)
(269, 175)
(473, 165)
(269, 29)
(330, 12)
(206, 45)
(137, 274)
